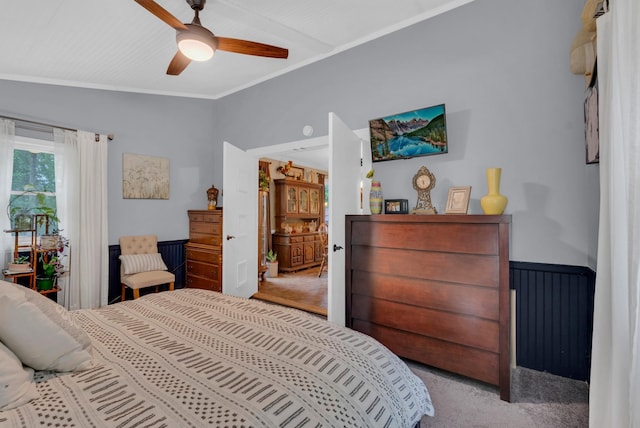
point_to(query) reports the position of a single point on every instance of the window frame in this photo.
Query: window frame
(33, 145)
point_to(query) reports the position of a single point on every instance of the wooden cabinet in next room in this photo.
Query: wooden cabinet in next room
(204, 250)
(299, 214)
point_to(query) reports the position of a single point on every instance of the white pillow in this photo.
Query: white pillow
(16, 382)
(135, 263)
(42, 334)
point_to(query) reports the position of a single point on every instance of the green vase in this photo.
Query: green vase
(493, 202)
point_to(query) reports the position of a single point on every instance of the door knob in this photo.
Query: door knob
(336, 248)
(229, 237)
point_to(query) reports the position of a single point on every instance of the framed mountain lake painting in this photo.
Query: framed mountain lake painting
(411, 134)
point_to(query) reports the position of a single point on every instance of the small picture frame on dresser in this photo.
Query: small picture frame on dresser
(458, 200)
(396, 206)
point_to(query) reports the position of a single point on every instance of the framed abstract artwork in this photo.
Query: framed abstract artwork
(144, 177)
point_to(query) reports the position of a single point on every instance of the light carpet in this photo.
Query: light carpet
(539, 400)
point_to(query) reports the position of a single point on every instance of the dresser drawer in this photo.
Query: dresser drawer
(205, 216)
(205, 227)
(203, 283)
(207, 256)
(205, 238)
(207, 270)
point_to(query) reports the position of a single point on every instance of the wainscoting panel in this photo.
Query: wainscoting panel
(172, 253)
(554, 317)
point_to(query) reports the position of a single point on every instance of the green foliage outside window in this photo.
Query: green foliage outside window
(33, 169)
(33, 186)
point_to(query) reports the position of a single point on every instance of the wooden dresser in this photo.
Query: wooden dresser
(434, 289)
(204, 250)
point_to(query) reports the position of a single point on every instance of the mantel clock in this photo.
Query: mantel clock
(423, 182)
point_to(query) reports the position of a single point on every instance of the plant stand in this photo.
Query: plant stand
(30, 246)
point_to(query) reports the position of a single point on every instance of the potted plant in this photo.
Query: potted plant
(53, 241)
(263, 181)
(50, 269)
(51, 266)
(272, 264)
(20, 264)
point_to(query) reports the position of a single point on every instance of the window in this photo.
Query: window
(33, 184)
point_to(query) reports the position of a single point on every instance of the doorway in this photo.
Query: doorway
(346, 165)
(301, 280)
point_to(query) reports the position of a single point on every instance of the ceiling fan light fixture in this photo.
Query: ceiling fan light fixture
(195, 49)
(197, 43)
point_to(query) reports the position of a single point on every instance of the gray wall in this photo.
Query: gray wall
(502, 69)
(181, 129)
(500, 66)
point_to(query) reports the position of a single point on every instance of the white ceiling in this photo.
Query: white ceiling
(309, 153)
(119, 45)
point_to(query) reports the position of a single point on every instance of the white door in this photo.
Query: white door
(344, 190)
(239, 222)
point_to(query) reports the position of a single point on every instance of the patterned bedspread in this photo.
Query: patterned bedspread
(195, 358)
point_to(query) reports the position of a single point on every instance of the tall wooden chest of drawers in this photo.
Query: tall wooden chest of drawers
(434, 289)
(204, 250)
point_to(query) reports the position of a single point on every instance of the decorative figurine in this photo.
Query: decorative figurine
(212, 197)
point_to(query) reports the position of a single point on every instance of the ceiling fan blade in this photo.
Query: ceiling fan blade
(251, 48)
(162, 13)
(178, 64)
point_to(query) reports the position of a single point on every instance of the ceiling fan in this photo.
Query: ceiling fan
(197, 43)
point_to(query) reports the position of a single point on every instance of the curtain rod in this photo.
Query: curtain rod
(17, 119)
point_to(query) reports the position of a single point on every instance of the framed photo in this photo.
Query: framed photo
(396, 206)
(458, 200)
(421, 132)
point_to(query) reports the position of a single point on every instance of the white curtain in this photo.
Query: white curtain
(615, 367)
(7, 141)
(67, 164)
(81, 174)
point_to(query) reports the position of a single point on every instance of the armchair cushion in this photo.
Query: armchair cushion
(135, 263)
(147, 279)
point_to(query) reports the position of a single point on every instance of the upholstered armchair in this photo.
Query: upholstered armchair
(141, 265)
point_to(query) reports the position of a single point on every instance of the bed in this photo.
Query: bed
(192, 358)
